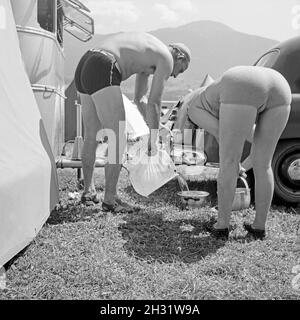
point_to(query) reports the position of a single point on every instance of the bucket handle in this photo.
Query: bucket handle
(245, 183)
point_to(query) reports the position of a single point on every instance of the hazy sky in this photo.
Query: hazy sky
(276, 19)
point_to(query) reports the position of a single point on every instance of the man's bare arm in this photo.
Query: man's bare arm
(141, 89)
(161, 75)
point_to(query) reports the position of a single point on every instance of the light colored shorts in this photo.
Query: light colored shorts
(260, 87)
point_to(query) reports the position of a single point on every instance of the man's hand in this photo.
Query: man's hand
(242, 171)
(152, 142)
(152, 149)
(177, 136)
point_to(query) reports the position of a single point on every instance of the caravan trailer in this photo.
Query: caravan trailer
(40, 25)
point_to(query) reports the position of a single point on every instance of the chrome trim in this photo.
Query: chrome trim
(44, 88)
(43, 33)
(294, 170)
(78, 4)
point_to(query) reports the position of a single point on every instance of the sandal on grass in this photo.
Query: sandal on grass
(256, 233)
(217, 233)
(90, 197)
(223, 233)
(126, 205)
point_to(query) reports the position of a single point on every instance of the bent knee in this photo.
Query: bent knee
(261, 166)
(229, 156)
(230, 163)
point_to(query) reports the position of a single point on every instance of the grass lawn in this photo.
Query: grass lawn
(160, 252)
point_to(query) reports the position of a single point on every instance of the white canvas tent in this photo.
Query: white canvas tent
(207, 80)
(28, 182)
(135, 123)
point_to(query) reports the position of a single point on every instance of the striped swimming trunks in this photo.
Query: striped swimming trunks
(97, 69)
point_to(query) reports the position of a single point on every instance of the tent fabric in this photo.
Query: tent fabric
(135, 123)
(28, 183)
(207, 80)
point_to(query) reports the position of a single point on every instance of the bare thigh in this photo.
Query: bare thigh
(268, 130)
(203, 119)
(110, 110)
(89, 115)
(235, 124)
(109, 106)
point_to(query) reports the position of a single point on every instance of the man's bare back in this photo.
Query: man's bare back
(98, 78)
(139, 53)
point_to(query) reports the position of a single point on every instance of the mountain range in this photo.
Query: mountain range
(215, 47)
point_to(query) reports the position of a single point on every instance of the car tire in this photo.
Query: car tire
(286, 168)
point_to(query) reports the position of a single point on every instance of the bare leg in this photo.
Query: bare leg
(270, 125)
(111, 112)
(91, 127)
(204, 120)
(247, 163)
(209, 123)
(236, 122)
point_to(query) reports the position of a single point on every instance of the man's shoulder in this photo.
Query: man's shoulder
(159, 50)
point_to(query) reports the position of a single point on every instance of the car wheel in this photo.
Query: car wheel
(286, 168)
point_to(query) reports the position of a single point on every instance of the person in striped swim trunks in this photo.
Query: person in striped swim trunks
(98, 76)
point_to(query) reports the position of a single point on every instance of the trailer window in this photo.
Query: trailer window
(46, 14)
(76, 21)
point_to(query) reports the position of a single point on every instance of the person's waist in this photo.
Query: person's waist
(207, 105)
(108, 54)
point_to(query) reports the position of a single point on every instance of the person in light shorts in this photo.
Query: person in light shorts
(246, 103)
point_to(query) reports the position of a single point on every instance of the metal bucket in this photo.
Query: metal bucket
(193, 198)
(242, 196)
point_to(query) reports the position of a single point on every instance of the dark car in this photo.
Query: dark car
(285, 58)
